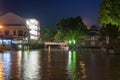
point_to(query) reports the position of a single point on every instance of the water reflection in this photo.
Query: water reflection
(31, 65)
(1, 69)
(49, 66)
(113, 67)
(59, 65)
(71, 65)
(82, 70)
(6, 58)
(19, 64)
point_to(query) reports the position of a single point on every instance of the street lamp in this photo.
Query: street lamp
(1, 27)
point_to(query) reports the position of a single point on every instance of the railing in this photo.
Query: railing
(55, 43)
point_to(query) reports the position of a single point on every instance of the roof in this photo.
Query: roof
(11, 18)
(93, 33)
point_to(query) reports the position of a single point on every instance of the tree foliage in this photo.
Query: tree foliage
(70, 28)
(110, 13)
(110, 30)
(48, 34)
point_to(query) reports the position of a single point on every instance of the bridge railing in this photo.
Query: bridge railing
(55, 43)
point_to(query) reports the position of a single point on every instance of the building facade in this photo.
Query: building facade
(93, 36)
(15, 30)
(34, 29)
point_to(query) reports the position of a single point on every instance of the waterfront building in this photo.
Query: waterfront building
(18, 30)
(93, 36)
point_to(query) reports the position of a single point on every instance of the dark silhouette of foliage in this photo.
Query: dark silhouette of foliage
(71, 28)
(48, 34)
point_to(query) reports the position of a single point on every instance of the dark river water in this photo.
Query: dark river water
(59, 65)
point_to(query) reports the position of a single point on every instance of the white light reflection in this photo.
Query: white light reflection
(31, 66)
(71, 66)
(7, 64)
(69, 59)
(19, 54)
(19, 57)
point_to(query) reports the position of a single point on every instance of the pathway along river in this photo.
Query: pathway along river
(59, 65)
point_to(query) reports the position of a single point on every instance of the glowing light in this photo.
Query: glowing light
(33, 37)
(33, 32)
(74, 42)
(20, 46)
(1, 26)
(33, 26)
(7, 42)
(70, 42)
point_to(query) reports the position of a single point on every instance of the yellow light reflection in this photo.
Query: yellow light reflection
(49, 64)
(1, 71)
(83, 70)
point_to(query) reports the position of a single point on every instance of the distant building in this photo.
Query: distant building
(93, 36)
(15, 29)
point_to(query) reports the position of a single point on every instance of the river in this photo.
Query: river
(57, 64)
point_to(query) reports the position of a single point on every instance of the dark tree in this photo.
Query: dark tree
(48, 34)
(71, 28)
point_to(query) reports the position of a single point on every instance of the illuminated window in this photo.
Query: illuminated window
(33, 26)
(92, 38)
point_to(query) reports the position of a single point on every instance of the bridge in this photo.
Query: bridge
(55, 43)
(61, 45)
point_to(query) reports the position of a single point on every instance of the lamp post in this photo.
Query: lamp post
(1, 26)
(0, 30)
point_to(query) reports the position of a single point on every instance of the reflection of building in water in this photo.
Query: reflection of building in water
(49, 65)
(71, 66)
(31, 65)
(6, 58)
(82, 70)
(76, 71)
(1, 71)
(19, 62)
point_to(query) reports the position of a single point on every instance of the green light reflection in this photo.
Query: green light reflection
(71, 67)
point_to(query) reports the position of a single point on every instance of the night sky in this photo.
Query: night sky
(49, 12)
